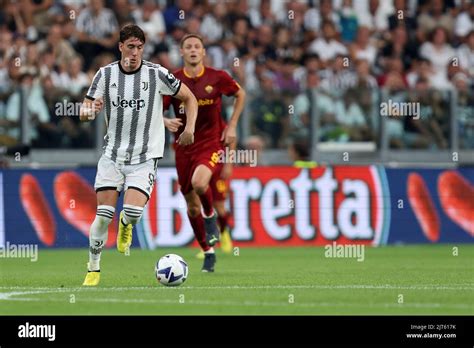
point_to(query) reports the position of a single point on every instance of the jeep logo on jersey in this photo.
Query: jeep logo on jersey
(136, 104)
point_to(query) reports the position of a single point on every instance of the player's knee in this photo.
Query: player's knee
(132, 213)
(194, 210)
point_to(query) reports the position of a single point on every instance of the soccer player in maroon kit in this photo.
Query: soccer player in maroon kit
(197, 163)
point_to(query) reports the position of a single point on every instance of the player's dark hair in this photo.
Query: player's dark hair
(131, 30)
(188, 36)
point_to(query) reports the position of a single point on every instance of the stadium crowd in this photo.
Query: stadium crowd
(349, 50)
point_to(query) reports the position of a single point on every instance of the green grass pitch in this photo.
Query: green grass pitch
(393, 280)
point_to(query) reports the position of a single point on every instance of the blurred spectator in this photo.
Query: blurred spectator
(35, 17)
(240, 35)
(283, 45)
(401, 17)
(213, 24)
(326, 14)
(466, 54)
(173, 15)
(327, 47)
(61, 48)
(262, 15)
(465, 20)
(223, 56)
(375, 17)
(150, 19)
(123, 11)
(338, 77)
(440, 53)
(363, 79)
(264, 46)
(394, 77)
(399, 46)
(269, 114)
(465, 111)
(310, 64)
(422, 70)
(39, 123)
(13, 20)
(352, 118)
(97, 31)
(284, 80)
(349, 22)
(167, 52)
(74, 81)
(300, 120)
(434, 17)
(362, 48)
(431, 129)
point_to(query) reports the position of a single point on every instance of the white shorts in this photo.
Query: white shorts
(114, 176)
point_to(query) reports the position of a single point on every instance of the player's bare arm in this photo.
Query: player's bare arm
(229, 135)
(90, 109)
(172, 124)
(191, 107)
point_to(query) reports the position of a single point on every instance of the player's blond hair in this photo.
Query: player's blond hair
(189, 36)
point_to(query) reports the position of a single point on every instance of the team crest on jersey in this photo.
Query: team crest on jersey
(208, 88)
(145, 85)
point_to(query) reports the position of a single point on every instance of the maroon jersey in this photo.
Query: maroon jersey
(208, 87)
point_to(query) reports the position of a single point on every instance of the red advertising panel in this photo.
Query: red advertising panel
(282, 206)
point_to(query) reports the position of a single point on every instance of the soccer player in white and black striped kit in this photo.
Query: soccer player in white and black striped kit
(130, 92)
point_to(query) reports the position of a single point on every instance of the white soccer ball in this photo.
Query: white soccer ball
(171, 270)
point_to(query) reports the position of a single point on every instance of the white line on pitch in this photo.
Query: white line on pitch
(252, 287)
(253, 303)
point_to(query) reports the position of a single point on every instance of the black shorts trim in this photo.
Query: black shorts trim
(140, 190)
(107, 188)
(90, 98)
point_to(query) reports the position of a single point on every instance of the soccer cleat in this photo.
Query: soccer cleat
(92, 279)
(212, 231)
(209, 262)
(124, 237)
(226, 241)
(200, 255)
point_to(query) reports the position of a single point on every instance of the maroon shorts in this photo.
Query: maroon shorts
(186, 165)
(219, 187)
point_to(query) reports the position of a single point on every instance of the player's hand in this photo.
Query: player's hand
(226, 172)
(91, 110)
(229, 135)
(186, 138)
(94, 109)
(97, 106)
(172, 124)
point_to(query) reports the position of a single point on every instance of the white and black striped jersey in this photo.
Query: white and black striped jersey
(133, 106)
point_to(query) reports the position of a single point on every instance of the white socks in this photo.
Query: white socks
(98, 235)
(131, 214)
